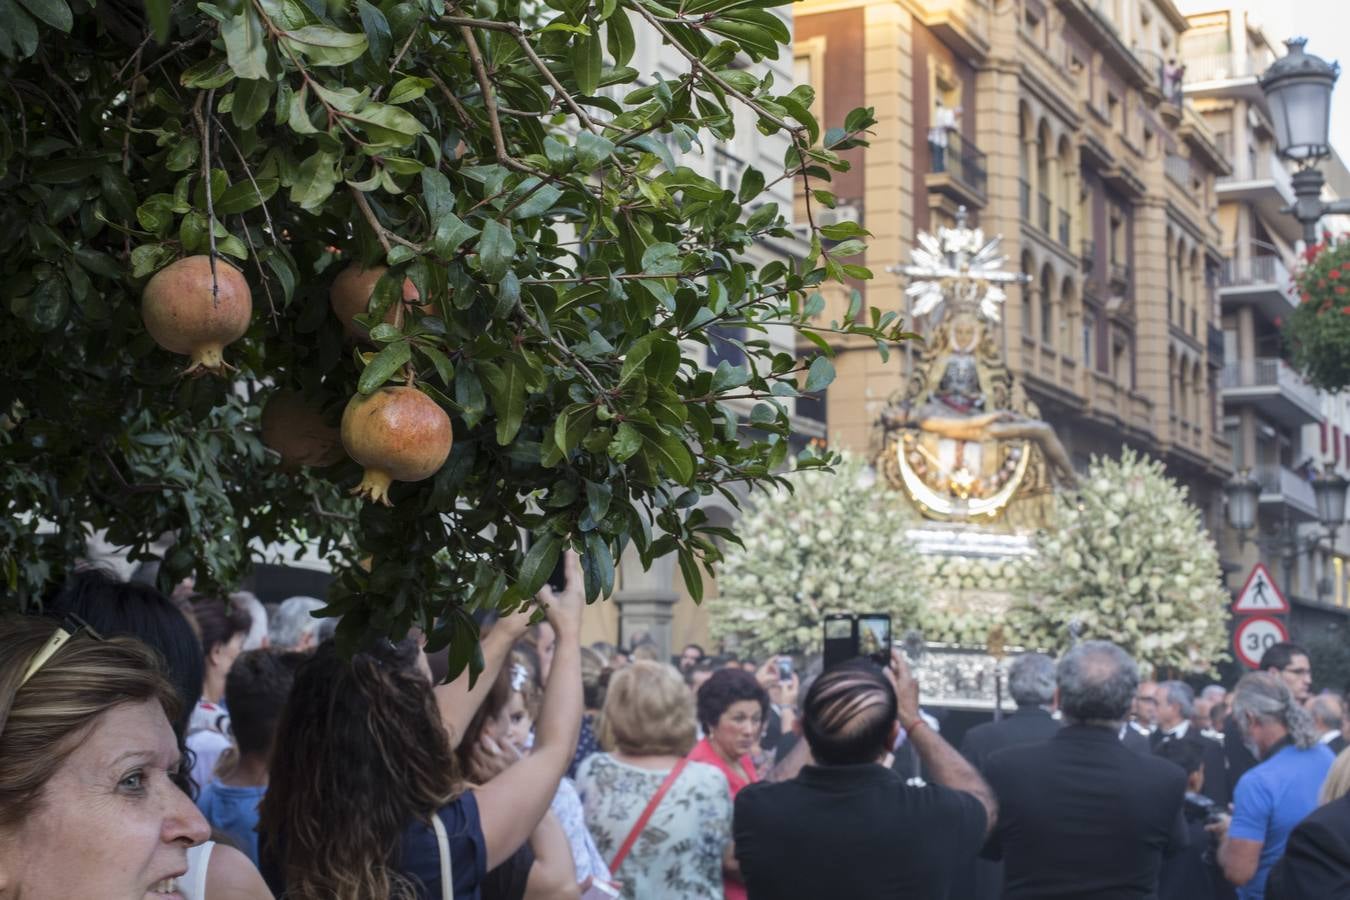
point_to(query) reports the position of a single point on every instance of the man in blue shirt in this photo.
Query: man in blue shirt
(1275, 795)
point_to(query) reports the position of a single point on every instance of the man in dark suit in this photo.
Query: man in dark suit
(1031, 682)
(1175, 705)
(1316, 861)
(1327, 715)
(1081, 815)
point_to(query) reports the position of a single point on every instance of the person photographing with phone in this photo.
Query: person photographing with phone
(847, 826)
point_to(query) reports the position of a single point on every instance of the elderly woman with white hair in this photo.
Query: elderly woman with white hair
(293, 625)
(1273, 797)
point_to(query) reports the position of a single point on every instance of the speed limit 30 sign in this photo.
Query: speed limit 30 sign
(1254, 636)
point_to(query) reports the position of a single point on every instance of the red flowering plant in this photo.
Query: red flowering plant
(1318, 331)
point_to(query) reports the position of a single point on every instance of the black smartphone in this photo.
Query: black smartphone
(784, 668)
(841, 639)
(874, 637)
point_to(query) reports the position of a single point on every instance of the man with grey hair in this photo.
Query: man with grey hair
(1176, 703)
(1273, 796)
(1081, 815)
(1031, 682)
(293, 625)
(1327, 714)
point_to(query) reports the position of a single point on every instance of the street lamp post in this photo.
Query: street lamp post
(1298, 92)
(1243, 493)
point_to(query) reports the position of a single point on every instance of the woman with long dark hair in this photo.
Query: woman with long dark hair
(365, 798)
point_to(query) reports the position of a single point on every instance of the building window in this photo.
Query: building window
(1117, 236)
(808, 67)
(1089, 338)
(1113, 110)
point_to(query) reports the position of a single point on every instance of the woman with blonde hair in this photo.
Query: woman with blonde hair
(662, 821)
(89, 804)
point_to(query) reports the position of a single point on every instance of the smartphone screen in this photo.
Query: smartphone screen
(784, 669)
(841, 641)
(874, 637)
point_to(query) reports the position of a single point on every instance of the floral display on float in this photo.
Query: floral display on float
(835, 543)
(1318, 331)
(1131, 562)
(968, 597)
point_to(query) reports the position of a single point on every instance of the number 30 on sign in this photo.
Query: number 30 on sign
(1254, 636)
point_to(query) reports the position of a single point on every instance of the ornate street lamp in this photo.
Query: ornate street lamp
(1243, 493)
(1329, 493)
(1298, 92)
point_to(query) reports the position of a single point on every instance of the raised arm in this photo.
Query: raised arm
(941, 763)
(512, 804)
(456, 700)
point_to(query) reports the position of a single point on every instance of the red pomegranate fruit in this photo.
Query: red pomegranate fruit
(295, 428)
(184, 315)
(396, 434)
(350, 297)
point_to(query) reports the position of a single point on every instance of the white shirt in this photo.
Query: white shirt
(1178, 732)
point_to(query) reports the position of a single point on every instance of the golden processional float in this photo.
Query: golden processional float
(963, 444)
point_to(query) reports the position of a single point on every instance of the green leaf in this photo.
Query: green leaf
(440, 199)
(598, 495)
(299, 120)
(444, 368)
(819, 375)
(693, 575)
(619, 38)
(451, 232)
(587, 59)
(406, 90)
(212, 72)
(150, 258)
(496, 250)
(324, 45)
(156, 215)
(378, 35)
(661, 259)
(251, 99)
(66, 171)
(18, 28)
(52, 12)
(158, 13)
(383, 366)
(627, 442)
(506, 388)
(539, 562)
(669, 454)
(315, 180)
(540, 201)
(592, 149)
(245, 45)
(574, 424)
(241, 197)
(752, 184)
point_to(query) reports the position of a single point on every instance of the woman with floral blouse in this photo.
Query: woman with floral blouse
(648, 726)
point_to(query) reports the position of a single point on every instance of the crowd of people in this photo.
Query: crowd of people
(205, 748)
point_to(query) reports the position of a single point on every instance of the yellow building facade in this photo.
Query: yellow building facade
(1063, 127)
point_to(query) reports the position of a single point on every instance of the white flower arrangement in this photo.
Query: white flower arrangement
(833, 544)
(1131, 562)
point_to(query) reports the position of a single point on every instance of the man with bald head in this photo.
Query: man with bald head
(848, 826)
(1081, 815)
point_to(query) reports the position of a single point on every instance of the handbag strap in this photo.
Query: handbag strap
(443, 845)
(646, 816)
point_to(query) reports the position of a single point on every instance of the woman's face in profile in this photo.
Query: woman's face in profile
(110, 823)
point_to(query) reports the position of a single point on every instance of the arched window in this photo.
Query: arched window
(1028, 289)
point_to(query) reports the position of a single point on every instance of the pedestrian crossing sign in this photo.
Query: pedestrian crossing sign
(1259, 594)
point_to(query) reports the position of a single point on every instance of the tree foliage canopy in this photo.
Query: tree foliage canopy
(514, 164)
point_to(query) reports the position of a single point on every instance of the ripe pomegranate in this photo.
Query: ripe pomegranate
(184, 316)
(350, 297)
(396, 434)
(295, 427)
